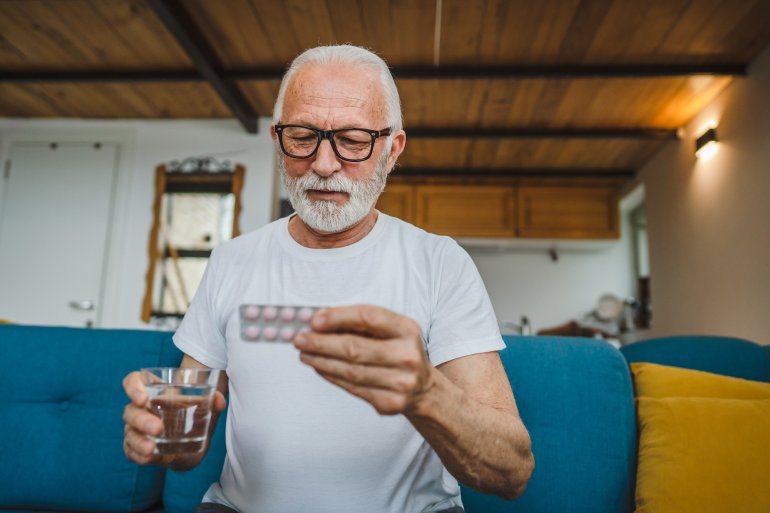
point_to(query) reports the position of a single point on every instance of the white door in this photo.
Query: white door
(54, 220)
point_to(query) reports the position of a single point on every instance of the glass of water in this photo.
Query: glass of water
(182, 399)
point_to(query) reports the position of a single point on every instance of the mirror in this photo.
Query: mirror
(196, 207)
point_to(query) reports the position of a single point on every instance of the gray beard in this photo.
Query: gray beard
(327, 216)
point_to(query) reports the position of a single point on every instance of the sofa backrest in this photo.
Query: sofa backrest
(62, 423)
(575, 397)
(61, 428)
(722, 355)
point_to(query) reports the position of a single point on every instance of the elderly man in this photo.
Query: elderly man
(385, 404)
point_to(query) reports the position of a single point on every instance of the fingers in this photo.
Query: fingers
(138, 447)
(386, 402)
(358, 349)
(371, 352)
(142, 420)
(390, 390)
(366, 319)
(135, 389)
(140, 423)
(387, 378)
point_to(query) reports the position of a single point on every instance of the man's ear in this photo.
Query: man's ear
(273, 134)
(396, 148)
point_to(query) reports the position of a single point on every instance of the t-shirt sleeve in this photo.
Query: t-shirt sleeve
(463, 321)
(201, 334)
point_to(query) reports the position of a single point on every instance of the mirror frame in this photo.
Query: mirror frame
(164, 178)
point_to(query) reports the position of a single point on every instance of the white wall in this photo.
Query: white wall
(144, 145)
(709, 222)
(525, 281)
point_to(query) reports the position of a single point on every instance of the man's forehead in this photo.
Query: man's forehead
(334, 99)
(334, 87)
(324, 83)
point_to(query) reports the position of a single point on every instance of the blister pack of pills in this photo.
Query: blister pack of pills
(271, 323)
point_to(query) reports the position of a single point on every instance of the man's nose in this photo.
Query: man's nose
(325, 161)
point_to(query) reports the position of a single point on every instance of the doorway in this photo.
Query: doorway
(55, 217)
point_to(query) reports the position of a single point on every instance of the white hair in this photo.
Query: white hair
(354, 56)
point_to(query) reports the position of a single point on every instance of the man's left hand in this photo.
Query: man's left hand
(372, 353)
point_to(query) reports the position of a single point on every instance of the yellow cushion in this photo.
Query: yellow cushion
(652, 380)
(703, 455)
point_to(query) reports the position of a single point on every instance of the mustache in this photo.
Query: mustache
(333, 183)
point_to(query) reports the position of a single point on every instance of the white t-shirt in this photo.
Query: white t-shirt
(294, 441)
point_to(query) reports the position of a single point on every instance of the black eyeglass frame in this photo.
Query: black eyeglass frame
(329, 135)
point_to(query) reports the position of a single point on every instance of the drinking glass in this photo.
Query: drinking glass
(182, 399)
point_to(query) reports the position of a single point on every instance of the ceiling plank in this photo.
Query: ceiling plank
(620, 102)
(85, 35)
(234, 30)
(129, 101)
(181, 27)
(582, 30)
(631, 30)
(136, 26)
(529, 153)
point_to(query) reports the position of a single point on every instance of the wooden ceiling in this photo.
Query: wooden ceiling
(545, 87)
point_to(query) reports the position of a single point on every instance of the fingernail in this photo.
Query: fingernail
(319, 318)
(300, 340)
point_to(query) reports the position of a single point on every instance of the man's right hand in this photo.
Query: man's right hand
(141, 425)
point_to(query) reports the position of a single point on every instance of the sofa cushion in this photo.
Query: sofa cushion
(575, 398)
(61, 427)
(703, 455)
(653, 380)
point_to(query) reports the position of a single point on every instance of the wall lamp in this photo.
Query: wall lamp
(706, 144)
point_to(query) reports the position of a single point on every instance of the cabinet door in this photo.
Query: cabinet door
(397, 201)
(568, 212)
(466, 210)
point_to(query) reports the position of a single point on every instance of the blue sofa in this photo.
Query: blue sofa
(61, 428)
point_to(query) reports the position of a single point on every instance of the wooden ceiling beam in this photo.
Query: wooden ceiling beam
(530, 71)
(100, 76)
(400, 72)
(542, 133)
(181, 26)
(569, 71)
(551, 173)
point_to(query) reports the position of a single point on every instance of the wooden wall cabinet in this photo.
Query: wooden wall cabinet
(575, 212)
(531, 210)
(466, 211)
(398, 201)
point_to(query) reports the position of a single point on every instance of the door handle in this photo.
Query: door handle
(85, 305)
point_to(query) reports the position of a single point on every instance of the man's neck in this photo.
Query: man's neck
(311, 238)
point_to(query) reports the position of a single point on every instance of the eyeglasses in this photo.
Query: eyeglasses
(350, 144)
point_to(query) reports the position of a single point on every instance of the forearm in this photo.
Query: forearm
(483, 447)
